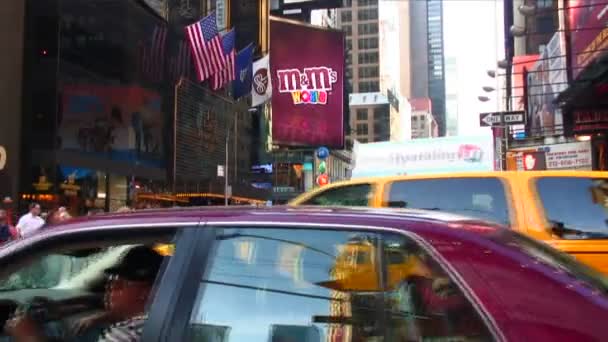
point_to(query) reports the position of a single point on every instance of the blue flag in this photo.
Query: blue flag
(243, 67)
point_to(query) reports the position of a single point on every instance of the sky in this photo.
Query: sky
(473, 39)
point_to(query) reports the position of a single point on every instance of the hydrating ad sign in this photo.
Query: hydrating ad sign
(424, 156)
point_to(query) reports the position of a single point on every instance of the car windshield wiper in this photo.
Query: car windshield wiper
(560, 229)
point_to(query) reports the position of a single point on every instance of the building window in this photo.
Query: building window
(369, 86)
(368, 43)
(349, 44)
(368, 58)
(362, 129)
(544, 3)
(362, 114)
(369, 28)
(347, 3)
(348, 30)
(381, 113)
(362, 3)
(368, 72)
(367, 14)
(545, 24)
(347, 16)
(362, 140)
(349, 59)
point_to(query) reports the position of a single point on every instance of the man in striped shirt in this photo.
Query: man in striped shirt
(126, 296)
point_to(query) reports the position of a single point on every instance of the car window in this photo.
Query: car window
(313, 285)
(351, 195)
(482, 198)
(575, 207)
(51, 270)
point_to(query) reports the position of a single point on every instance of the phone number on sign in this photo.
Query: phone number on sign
(568, 163)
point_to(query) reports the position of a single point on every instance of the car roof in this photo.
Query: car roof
(403, 219)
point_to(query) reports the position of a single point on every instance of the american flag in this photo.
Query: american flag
(152, 54)
(227, 74)
(206, 47)
(180, 64)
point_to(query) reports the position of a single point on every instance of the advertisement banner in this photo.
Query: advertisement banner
(307, 85)
(261, 87)
(424, 156)
(546, 80)
(589, 32)
(569, 156)
(115, 122)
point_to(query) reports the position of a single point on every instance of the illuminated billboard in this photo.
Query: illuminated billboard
(307, 82)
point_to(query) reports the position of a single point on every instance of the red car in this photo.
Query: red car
(290, 274)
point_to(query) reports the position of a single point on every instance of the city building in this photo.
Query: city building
(369, 117)
(424, 124)
(452, 88)
(91, 118)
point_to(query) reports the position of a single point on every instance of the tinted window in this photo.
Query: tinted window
(352, 195)
(322, 285)
(482, 198)
(575, 207)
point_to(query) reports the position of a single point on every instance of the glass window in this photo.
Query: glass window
(575, 207)
(348, 30)
(369, 86)
(369, 72)
(368, 57)
(349, 44)
(482, 198)
(362, 3)
(347, 16)
(323, 285)
(351, 195)
(381, 113)
(367, 14)
(362, 114)
(368, 43)
(362, 129)
(362, 140)
(368, 28)
(347, 3)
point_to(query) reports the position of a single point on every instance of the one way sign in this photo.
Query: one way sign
(500, 118)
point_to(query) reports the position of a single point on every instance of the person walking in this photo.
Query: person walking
(31, 222)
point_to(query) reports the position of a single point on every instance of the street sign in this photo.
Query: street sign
(502, 118)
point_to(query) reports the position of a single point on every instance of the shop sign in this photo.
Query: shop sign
(589, 120)
(2, 157)
(307, 86)
(283, 189)
(43, 184)
(569, 156)
(70, 188)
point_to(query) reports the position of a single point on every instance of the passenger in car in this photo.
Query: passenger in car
(129, 285)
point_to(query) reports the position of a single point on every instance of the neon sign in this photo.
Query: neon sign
(310, 86)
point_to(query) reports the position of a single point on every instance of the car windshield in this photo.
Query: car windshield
(576, 207)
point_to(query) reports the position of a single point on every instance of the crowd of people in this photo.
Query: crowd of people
(33, 221)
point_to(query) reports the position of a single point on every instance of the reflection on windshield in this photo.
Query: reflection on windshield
(576, 208)
(48, 272)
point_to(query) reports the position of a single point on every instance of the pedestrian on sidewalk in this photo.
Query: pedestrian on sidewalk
(7, 231)
(31, 222)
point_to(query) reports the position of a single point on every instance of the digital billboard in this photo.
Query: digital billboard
(307, 70)
(588, 32)
(115, 122)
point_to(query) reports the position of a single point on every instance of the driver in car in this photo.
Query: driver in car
(129, 285)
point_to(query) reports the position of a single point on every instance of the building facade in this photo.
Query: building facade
(424, 124)
(370, 117)
(93, 112)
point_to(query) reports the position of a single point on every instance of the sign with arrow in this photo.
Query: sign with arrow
(502, 118)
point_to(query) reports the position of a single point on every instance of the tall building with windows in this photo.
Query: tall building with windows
(436, 64)
(370, 117)
(359, 19)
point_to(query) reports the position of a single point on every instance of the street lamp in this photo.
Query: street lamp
(488, 89)
(491, 73)
(483, 98)
(517, 31)
(527, 10)
(503, 64)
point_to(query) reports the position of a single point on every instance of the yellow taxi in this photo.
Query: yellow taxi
(567, 209)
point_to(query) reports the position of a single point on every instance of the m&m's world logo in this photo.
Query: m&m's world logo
(307, 86)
